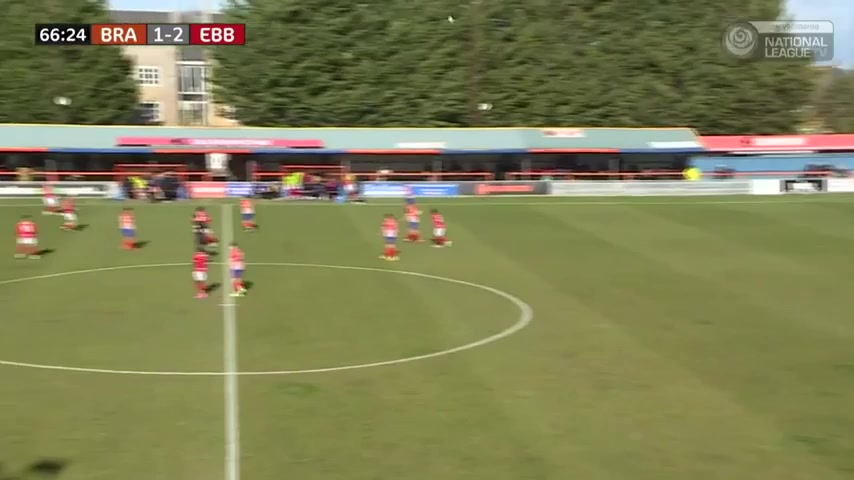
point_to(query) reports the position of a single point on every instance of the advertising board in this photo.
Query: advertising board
(72, 189)
(424, 189)
(779, 143)
(434, 189)
(383, 189)
(840, 185)
(504, 188)
(803, 185)
(640, 188)
(206, 189)
(238, 189)
(765, 186)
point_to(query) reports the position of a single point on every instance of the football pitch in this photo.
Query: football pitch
(647, 339)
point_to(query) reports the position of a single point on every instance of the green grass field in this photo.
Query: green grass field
(671, 340)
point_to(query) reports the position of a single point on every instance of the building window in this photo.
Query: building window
(148, 76)
(191, 97)
(150, 111)
(193, 79)
(193, 113)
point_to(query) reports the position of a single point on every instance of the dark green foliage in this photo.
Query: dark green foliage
(835, 104)
(96, 79)
(628, 63)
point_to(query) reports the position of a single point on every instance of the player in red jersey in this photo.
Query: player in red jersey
(237, 266)
(413, 217)
(389, 232)
(127, 226)
(69, 215)
(202, 223)
(439, 237)
(200, 273)
(51, 202)
(26, 234)
(247, 215)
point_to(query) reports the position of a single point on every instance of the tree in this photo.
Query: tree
(835, 103)
(616, 63)
(97, 80)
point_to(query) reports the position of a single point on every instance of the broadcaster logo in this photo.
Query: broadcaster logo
(741, 40)
(771, 40)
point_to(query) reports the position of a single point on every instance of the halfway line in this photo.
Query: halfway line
(229, 322)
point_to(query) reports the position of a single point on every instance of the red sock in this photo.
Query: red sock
(389, 251)
(201, 287)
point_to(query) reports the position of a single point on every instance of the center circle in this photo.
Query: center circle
(525, 318)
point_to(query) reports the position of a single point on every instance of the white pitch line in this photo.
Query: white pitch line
(525, 319)
(229, 321)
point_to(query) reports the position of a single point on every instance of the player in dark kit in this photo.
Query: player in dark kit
(199, 236)
(201, 229)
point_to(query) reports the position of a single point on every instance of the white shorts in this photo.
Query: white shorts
(27, 241)
(69, 217)
(349, 188)
(200, 276)
(50, 202)
(438, 232)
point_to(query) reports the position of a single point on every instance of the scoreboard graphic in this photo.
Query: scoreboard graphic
(164, 34)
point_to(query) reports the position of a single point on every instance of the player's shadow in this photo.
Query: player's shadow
(40, 469)
(43, 253)
(141, 244)
(81, 227)
(248, 285)
(214, 287)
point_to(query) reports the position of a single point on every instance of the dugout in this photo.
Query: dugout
(409, 166)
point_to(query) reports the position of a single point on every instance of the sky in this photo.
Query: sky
(840, 12)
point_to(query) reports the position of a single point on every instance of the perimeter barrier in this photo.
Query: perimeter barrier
(639, 188)
(576, 188)
(71, 189)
